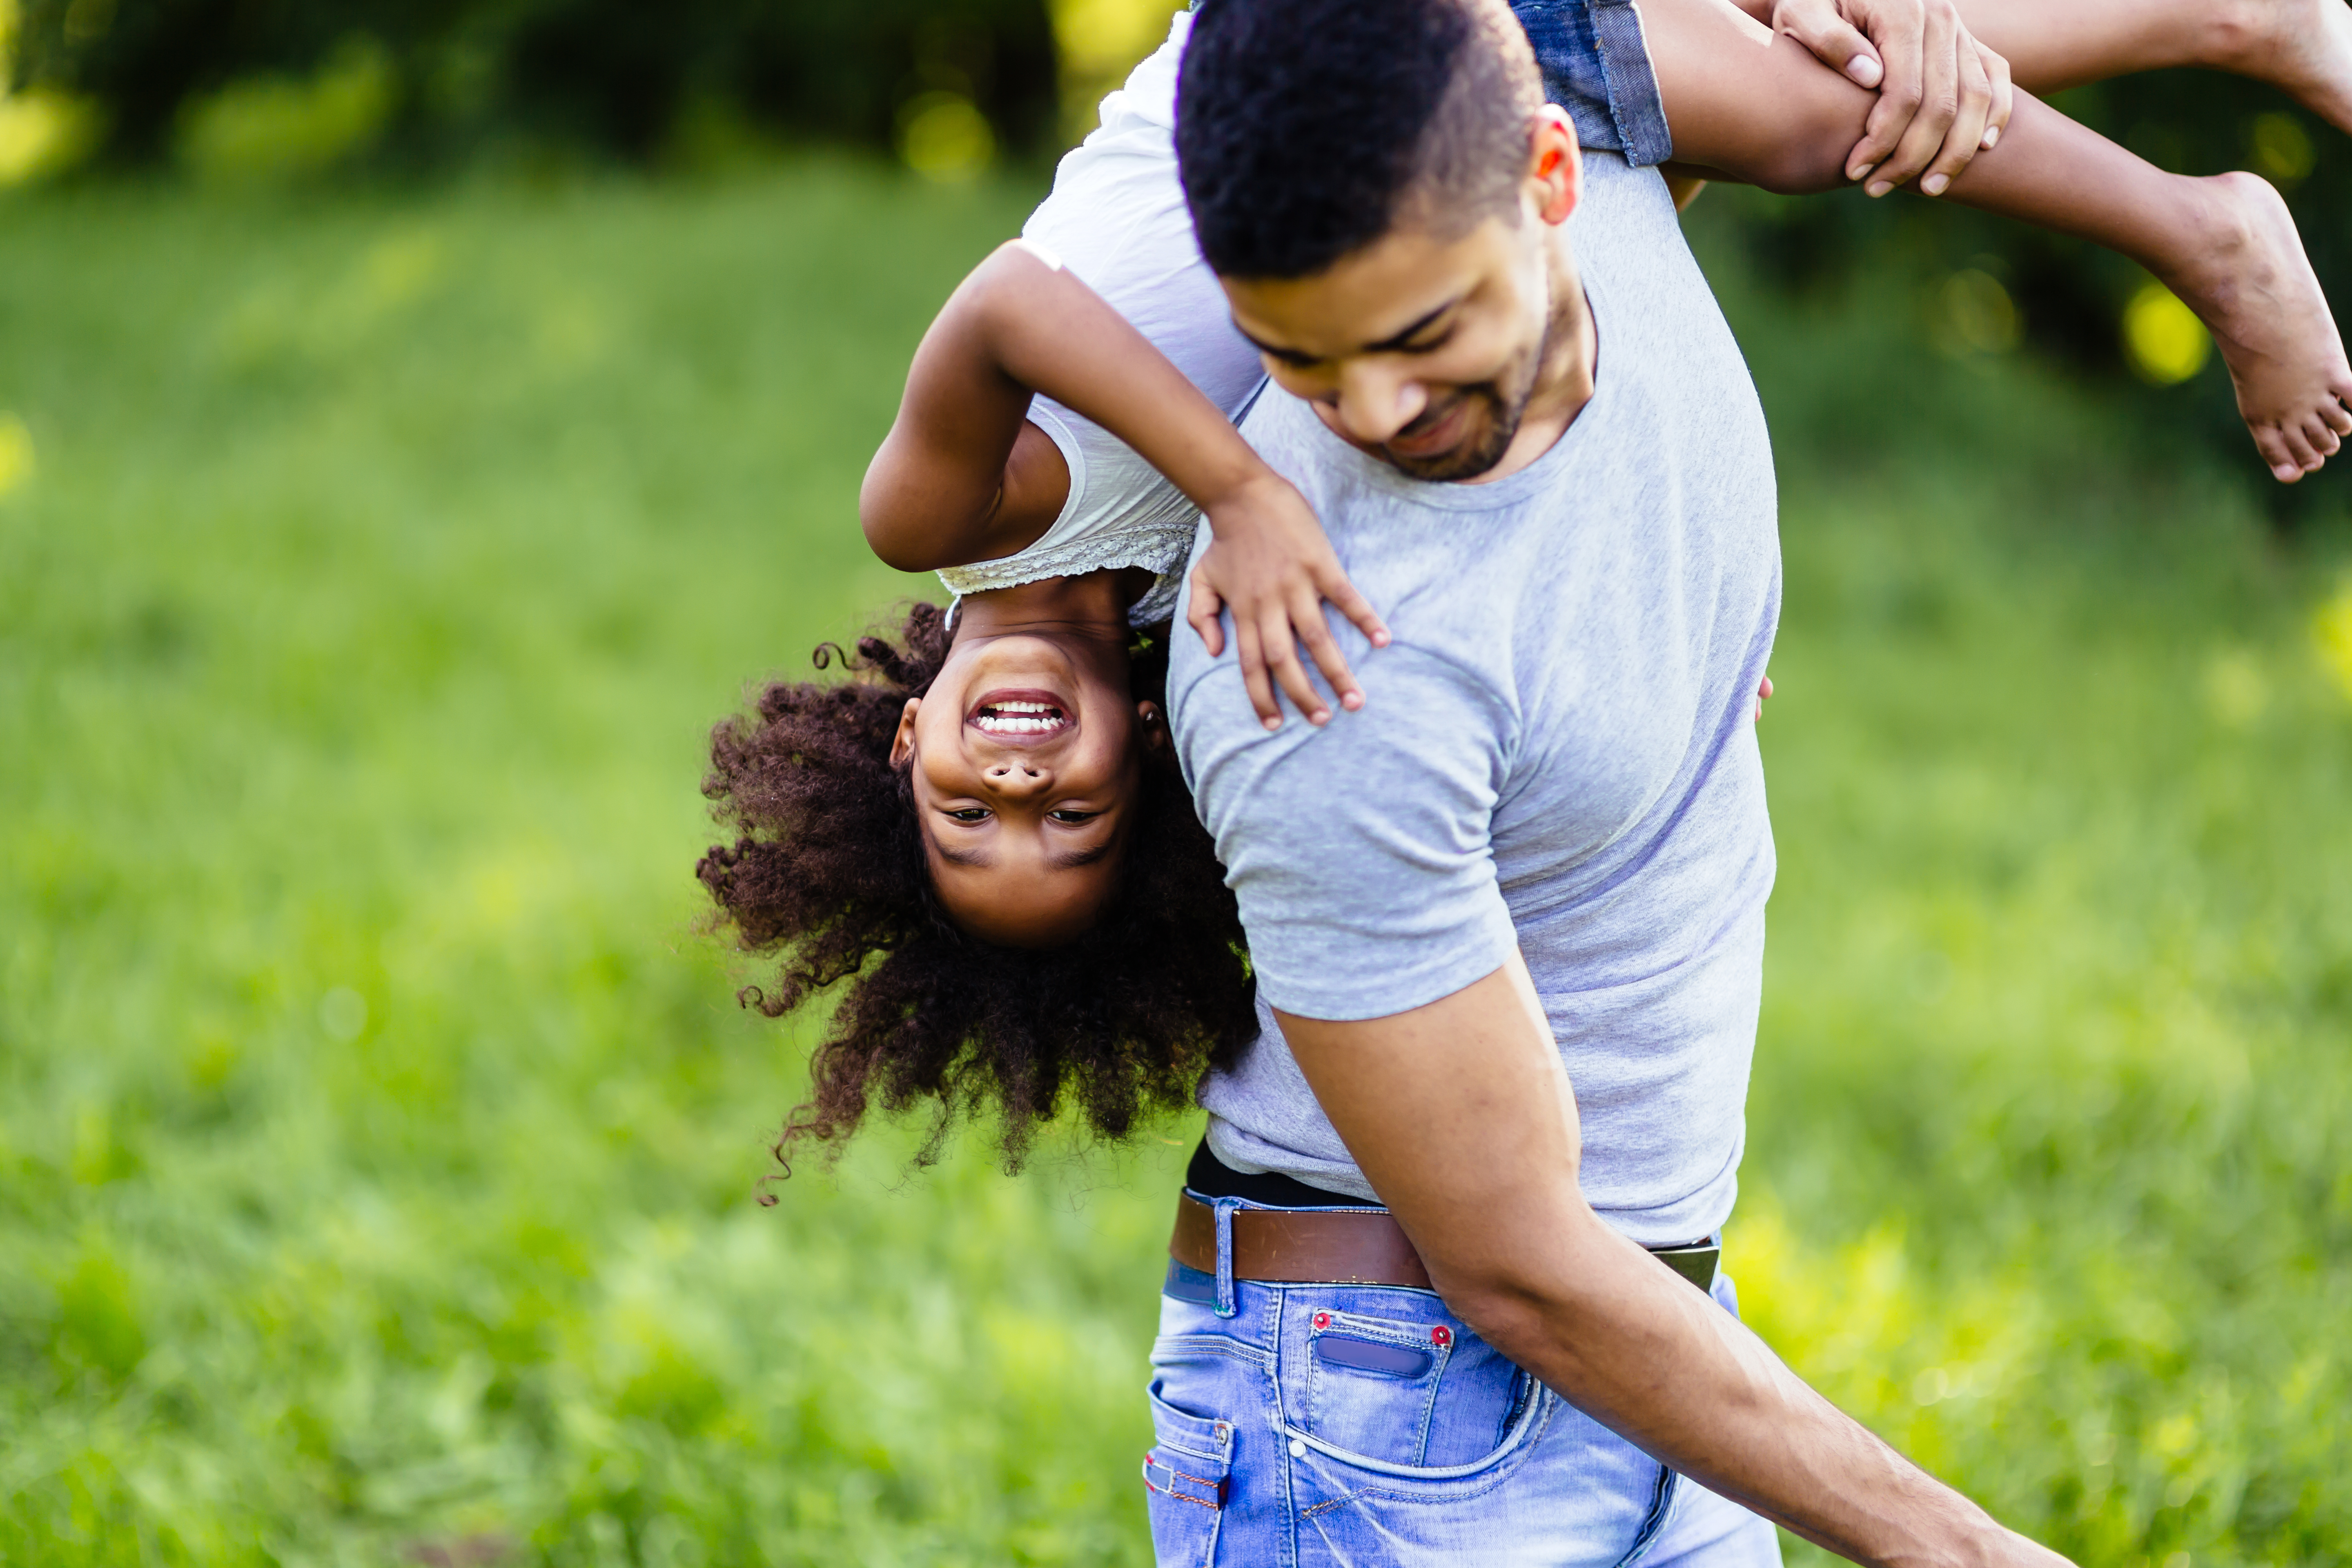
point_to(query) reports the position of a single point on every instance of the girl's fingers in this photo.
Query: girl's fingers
(1202, 613)
(1312, 630)
(1291, 672)
(1253, 662)
(1343, 595)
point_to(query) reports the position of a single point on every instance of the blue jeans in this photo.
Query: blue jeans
(1321, 1425)
(1596, 64)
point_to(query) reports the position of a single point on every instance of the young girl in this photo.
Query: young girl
(989, 805)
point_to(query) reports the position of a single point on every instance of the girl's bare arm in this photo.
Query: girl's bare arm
(964, 477)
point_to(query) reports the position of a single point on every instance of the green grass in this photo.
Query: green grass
(378, 1136)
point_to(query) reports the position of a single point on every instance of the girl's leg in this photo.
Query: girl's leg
(2303, 46)
(1761, 109)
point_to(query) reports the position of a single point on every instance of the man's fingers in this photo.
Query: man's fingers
(1315, 632)
(1202, 615)
(1938, 105)
(1289, 670)
(1252, 658)
(1899, 35)
(2004, 96)
(1966, 138)
(1838, 43)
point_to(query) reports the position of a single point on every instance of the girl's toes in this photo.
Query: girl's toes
(2321, 437)
(2298, 450)
(2283, 465)
(2337, 417)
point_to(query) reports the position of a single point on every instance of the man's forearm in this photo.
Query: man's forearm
(1479, 1164)
(1630, 1343)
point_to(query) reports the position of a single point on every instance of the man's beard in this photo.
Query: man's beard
(1505, 400)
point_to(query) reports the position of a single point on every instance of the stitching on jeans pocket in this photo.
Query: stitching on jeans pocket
(1181, 1347)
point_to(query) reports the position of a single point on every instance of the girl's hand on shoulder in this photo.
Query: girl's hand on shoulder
(1270, 565)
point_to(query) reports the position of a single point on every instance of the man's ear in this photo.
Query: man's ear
(1555, 165)
(1155, 727)
(902, 744)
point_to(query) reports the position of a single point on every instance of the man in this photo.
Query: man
(1507, 921)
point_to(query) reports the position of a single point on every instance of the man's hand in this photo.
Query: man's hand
(1943, 97)
(1270, 563)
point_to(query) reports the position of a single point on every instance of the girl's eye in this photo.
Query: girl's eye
(970, 813)
(1072, 816)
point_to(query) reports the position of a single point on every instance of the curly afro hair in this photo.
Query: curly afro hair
(829, 871)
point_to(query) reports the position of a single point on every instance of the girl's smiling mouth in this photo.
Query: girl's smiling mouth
(1021, 715)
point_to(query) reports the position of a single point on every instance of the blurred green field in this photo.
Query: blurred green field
(378, 1136)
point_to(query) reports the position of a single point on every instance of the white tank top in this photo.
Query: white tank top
(1116, 218)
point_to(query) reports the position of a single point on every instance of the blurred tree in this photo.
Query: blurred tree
(287, 86)
(1099, 42)
(611, 75)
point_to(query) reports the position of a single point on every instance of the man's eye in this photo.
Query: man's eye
(970, 813)
(1067, 815)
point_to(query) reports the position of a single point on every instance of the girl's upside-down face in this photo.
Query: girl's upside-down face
(1025, 758)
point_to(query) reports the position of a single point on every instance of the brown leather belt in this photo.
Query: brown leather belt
(1341, 1246)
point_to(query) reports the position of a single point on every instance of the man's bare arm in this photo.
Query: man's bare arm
(1463, 1119)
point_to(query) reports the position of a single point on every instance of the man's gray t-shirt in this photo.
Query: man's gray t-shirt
(1558, 748)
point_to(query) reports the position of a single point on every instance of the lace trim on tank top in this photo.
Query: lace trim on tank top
(1160, 547)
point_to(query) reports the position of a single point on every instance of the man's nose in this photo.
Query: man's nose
(1377, 400)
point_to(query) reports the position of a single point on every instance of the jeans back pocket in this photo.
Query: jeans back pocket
(1187, 1475)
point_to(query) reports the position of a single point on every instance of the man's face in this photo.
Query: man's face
(1421, 349)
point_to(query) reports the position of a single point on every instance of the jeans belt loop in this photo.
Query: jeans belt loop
(1226, 1307)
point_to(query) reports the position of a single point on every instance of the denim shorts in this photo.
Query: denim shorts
(1321, 1425)
(1596, 64)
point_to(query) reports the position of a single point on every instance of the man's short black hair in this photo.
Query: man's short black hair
(1307, 129)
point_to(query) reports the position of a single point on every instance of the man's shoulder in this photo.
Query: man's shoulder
(1417, 688)
(1677, 385)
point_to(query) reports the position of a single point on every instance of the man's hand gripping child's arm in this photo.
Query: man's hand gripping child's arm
(962, 477)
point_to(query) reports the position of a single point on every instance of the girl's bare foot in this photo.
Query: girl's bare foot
(2244, 273)
(2304, 46)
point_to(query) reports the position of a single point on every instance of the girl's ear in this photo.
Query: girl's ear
(1155, 727)
(902, 744)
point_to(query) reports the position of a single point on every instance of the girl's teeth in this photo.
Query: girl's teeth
(1026, 719)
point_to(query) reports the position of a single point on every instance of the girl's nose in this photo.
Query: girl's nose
(1018, 780)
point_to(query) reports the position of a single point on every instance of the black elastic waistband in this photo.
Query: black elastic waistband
(1211, 1177)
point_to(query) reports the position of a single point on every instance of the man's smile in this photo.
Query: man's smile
(1433, 433)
